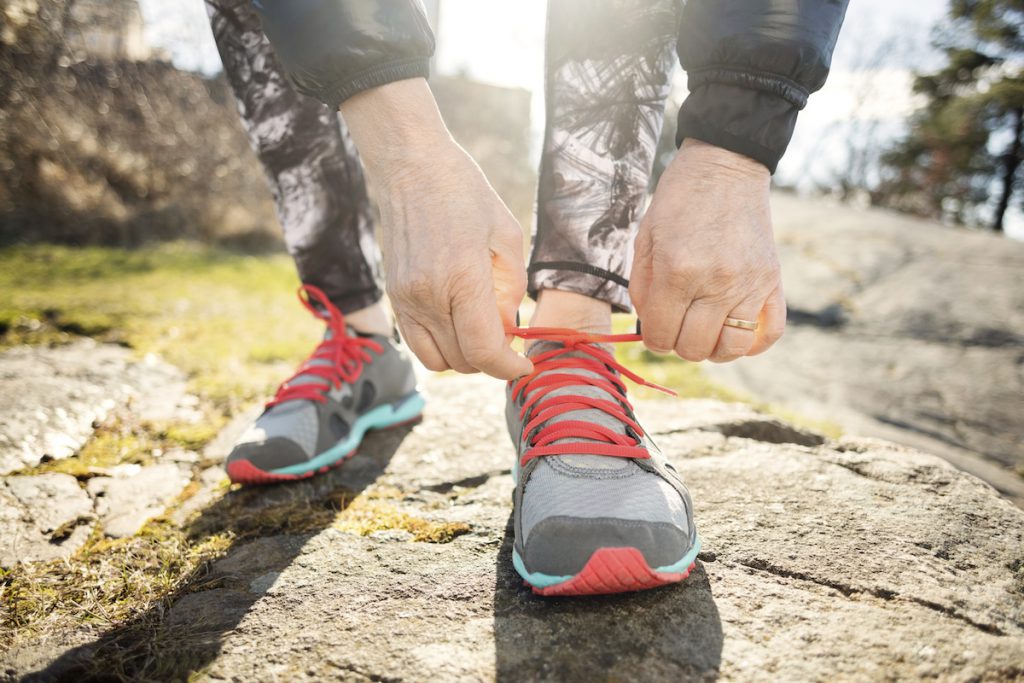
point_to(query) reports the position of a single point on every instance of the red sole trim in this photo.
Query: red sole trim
(244, 472)
(614, 570)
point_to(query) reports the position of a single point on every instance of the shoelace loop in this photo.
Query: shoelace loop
(345, 354)
(541, 408)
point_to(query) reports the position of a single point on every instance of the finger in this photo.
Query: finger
(734, 342)
(509, 271)
(481, 336)
(771, 323)
(665, 310)
(443, 330)
(701, 327)
(419, 341)
(640, 279)
(660, 323)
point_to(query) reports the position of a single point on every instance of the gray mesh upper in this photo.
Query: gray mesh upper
(306, 423)
(295, 420)
(555, 490)
(591, 486)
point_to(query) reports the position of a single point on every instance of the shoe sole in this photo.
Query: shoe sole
(609, 570)
(408, 411)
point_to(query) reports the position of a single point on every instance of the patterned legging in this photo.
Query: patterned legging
(609, 66)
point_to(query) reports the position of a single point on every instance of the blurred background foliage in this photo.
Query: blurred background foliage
(964, 147)
(103, 140)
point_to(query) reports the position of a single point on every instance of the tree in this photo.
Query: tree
(966, 144)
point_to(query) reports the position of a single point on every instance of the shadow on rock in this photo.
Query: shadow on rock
(269, 526)
(667, 634)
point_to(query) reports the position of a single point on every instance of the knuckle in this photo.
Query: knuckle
(724, 273)
(462, 275)
(464, 368)
(433, 364)
(691, 354)
(680, 269)
(659, 340)
(731, 351)
(658, 345)
(416, 287)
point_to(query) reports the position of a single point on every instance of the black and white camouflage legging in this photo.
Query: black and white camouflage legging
(608, 74)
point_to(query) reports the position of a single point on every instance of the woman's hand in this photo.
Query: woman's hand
(705, 252)
(452, 250)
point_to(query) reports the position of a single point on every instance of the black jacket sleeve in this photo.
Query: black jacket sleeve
(751, 64)
(333, 49)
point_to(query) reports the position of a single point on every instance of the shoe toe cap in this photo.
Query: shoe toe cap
(561, 546)
(270, 454)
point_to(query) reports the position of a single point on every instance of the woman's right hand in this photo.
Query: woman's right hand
(453, 252)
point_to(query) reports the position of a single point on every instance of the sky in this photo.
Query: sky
(502, 42)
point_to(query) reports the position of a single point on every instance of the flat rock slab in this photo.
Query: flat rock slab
(854, 560)
(50, 397)
(42, 517)
(125, 503)
(901, 329)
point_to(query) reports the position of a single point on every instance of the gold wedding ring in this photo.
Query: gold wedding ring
(741, 324)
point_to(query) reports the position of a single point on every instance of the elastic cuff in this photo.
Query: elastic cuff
(350, 302)
(754, 122)
(382, 74)
(580, 278)
(783, 87)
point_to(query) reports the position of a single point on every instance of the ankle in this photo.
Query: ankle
(373, 319)
(557, 308)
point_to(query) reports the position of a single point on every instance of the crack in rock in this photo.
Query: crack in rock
(880, 593)
(765, 430)
(470, 482)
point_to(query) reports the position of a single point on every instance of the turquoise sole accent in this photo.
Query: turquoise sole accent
(380, 417)
(546, 580)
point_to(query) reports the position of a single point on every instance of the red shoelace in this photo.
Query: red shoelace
(541, 407)
(345, 354)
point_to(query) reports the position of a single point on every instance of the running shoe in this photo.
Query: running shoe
(598, 509)
(352, 383)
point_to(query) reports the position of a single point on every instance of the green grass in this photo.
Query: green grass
(229, 320)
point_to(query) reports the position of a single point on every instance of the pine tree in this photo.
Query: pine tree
(966, 144)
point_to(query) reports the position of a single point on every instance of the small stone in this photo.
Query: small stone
(51, 398)
(392, 535)
(125, 503)
(210, 488)
(180, 455)
(42, 517)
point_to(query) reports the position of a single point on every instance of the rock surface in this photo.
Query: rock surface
(43, 517)
(125, 503)
(855, 560)
(50, 397)
(900, 329)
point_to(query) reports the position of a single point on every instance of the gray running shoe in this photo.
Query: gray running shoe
(352, 383)
(598, 509)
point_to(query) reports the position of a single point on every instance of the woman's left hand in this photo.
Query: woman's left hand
(705, 252)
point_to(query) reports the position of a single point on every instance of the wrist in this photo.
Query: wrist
(720, 162)
(396, 127)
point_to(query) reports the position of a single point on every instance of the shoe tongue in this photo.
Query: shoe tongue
(601, 462)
